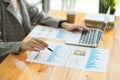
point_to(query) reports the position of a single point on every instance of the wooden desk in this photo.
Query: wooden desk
(14, 67)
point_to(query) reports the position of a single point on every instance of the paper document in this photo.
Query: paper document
(83, 58)
(48, 32)
(53, 33)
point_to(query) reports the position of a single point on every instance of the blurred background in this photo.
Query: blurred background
(88, 6)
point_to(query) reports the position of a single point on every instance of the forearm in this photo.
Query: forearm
(64, 25)
(9, 47)
(45, 19)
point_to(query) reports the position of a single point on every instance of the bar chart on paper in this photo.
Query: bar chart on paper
(48, 32)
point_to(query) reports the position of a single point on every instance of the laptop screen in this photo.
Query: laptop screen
(106, 20)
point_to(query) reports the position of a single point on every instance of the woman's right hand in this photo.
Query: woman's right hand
(33, 44)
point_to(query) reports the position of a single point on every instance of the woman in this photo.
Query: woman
(17, 18)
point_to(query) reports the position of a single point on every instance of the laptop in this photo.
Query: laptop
(91, 38)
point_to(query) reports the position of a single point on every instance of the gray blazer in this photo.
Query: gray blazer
(12, 32)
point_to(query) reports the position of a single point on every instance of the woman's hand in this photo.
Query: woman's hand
(33, 44)
(71, 26)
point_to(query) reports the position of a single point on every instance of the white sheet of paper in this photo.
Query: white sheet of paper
(91, 59)
(48, 32)
(59, 34)
(57, 57)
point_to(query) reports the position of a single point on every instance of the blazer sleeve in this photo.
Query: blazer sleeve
(41, 17)
(8, 47)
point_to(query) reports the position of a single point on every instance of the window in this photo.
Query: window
(37, 3)
(117, 12)
(89, 6)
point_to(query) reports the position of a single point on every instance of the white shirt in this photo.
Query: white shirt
(19, 16)
(17, 11)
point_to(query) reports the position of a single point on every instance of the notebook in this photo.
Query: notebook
(91, 38)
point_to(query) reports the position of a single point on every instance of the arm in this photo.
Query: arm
(71, 26)
(9, 47)
(43, 18)
(37, 17)
(33, 44)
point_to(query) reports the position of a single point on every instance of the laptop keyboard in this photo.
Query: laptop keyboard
(90, 38)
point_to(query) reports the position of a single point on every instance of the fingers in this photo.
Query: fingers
(39, 44)
(38, 47)
(85, 27)
(33, 44)
(71, 26)
(82, 25)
